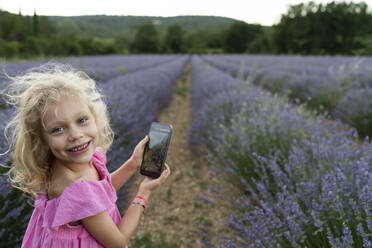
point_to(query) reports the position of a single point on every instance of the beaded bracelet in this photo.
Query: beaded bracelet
(144, 208)
(142, 198)
(139, 203)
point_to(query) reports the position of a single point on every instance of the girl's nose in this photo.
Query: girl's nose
(75, 133)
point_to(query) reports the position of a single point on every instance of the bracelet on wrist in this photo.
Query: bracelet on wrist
(139, 203)
(144, 199)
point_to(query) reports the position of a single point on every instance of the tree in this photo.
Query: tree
(240, 35)
(122, 43)
(67, 27)
(146, 39)
(312, 28)
(46, 28)
(174, 39)
(35, 24)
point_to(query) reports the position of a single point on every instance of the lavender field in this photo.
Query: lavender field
(338, 86)
(305, 181)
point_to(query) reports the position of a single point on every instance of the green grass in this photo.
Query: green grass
(147, 241)
(169, 196)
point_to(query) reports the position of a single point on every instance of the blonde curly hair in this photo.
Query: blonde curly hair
(30, 94)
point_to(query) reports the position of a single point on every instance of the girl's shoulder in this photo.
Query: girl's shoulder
(58, 186)
(56, 189)
(61, 179)
(90, 194)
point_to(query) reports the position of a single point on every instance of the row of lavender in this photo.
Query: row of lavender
(100, 68)
(134, 101)
(305, 183)
(342, 86)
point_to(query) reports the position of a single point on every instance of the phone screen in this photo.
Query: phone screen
(155, 152)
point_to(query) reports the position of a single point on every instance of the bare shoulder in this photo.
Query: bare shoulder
(58, 184)
(61, 178)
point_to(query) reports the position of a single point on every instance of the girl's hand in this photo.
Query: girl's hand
(137, 155)
(149, 184)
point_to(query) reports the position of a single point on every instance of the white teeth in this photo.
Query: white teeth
(79, 148)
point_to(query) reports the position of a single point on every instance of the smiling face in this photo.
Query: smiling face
(70, 131)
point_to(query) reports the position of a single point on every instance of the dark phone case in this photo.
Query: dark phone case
(153, 128)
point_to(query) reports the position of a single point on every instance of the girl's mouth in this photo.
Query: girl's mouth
(80, 149)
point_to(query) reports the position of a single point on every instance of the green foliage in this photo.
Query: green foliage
(113, 26)
(240, 36)
(36, 36)
(174, 41)
(67, 28)
(169, 196)
(122, 43)
(203, 41)
(146, 39)
(9, 48)
(91, 46)
(146, 241)
(333, 28)
(35, 25)
(263, 42)
(14, 227)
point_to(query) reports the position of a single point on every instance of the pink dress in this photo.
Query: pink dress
(48, 226)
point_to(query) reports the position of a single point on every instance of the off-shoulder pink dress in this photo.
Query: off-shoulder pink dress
(48, 226)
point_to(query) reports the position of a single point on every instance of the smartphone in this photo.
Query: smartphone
(156, 149)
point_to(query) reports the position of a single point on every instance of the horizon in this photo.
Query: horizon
(263, 12)
(133, 16)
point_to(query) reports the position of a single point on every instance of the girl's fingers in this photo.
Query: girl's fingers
(141, 146)
(144, 140)
(166, 171)
(164, 174)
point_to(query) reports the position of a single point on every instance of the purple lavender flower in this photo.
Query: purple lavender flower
(326, 84)
(309, 182)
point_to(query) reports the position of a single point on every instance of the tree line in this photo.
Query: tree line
(336, 28)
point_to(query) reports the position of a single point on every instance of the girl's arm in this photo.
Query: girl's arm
(121, 175)
(103, 228)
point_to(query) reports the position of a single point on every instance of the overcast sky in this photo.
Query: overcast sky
(263, 12)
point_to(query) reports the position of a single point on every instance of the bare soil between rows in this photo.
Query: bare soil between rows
(191, 207)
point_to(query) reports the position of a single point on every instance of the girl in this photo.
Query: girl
(60, 137)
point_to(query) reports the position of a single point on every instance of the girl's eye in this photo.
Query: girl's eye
(57, 130)
(83, 120)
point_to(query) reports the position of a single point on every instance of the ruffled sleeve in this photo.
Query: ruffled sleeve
(80, 199)
(99, 156)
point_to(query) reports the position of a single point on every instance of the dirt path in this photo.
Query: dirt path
(189, 210)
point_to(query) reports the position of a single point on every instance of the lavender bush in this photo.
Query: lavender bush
(324, 83)
(100, 68)
(205, 106)
(313, 187)
(105, 68)
(306, 183)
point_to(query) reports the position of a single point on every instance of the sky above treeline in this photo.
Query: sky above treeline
(264, 12)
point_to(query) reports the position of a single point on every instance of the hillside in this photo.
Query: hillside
(112, 26)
